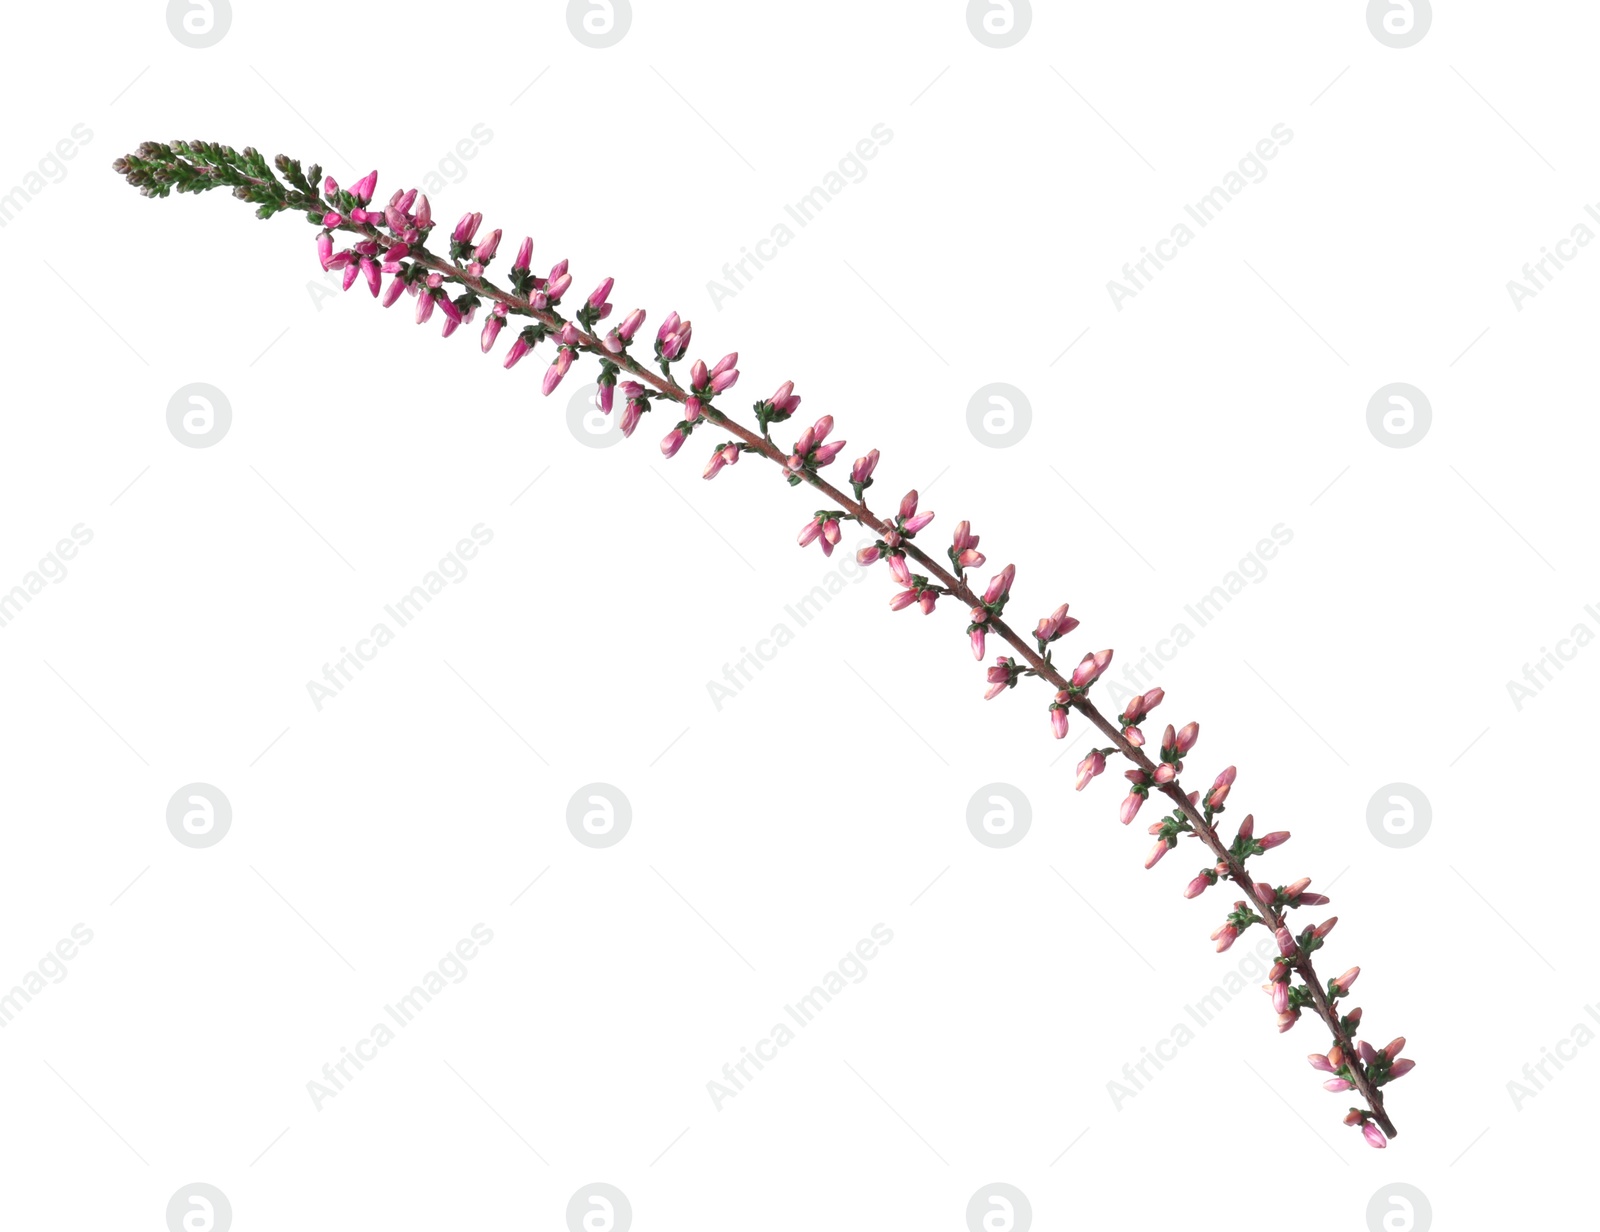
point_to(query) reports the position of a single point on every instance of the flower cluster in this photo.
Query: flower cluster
(393, 242)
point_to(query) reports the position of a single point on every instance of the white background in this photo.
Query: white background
(770, 835)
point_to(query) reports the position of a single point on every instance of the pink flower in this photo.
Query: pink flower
(1347, 979)
(486, 249)
(861, 471)
(673, 441)
(725, 456)
(1189, 733)
(1198, 886)
(976, 637)
(1057, 624)
(1402, 1067)
(964, 552)
(1225, 936)
(1286, 943)
(1276, 839)
(524, 255)
(1156, 852)
(1131, 807)
(1093, 765)
(1394, 1047)
(672, 339)
(1089, 669)
(519, 348)
(1374, 1135)
(363, 188)
(1321, 1063)
(557, 370)
(492, 326)
(825, 528)
(1335, 1085)
(1058, 718)
(466, 228)
(1000, 585)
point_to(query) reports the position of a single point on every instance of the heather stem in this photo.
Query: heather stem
(284, 199)
(996, 626)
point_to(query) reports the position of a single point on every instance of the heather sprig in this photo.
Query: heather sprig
(393, 241)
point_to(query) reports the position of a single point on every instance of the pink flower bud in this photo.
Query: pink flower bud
(492, 326)
(726, 364)
(1320, 1062)
(1156, 852)
(1275, 839)
(1394, 1047)
(393, 293)
(862, 470)
(1198, 886)
(519, 348)
(908, 504)
(488, 247)
(1402, 1067)
(1286, 943)
(1374, 1135)
(897, 566)
(1187, 736)
(1347, 979)
(1000, 584)
(976, 637)
(1090, 767)
(1247, 827)
(524, 254)
(324, 249)
(1131, 807)
(724, 380)
(630, 325)
(868, 555)
(673, 441)
(1058, 720)
(1335, 1085)
(1225, 937)
(466, 228)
